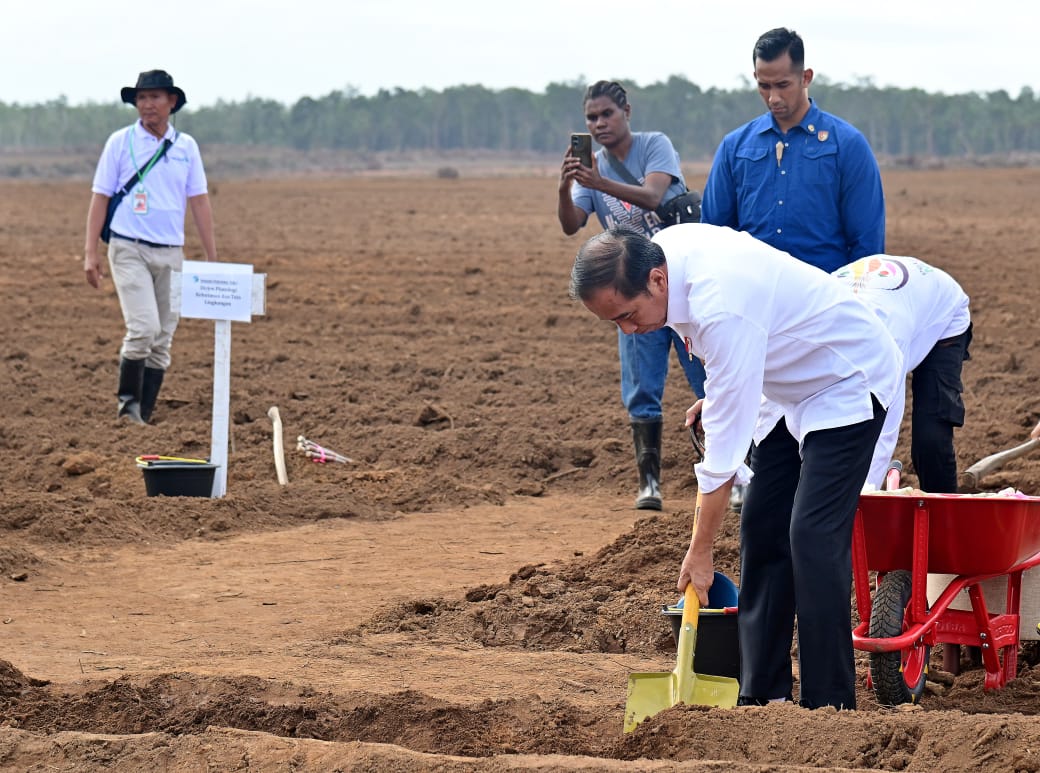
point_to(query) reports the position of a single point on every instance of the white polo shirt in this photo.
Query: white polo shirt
(768, 324)
(173, 179)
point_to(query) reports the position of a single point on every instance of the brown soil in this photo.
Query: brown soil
(473, 591)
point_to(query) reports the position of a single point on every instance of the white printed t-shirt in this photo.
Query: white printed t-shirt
(920, 305)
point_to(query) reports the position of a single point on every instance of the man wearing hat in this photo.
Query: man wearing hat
(148, 171)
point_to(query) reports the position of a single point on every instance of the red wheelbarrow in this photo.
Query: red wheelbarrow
(904, 537)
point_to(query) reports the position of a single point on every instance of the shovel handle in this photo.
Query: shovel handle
(687, 645)
(691, 607)
(691, 610)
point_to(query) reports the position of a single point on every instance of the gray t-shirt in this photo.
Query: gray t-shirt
(650, 152)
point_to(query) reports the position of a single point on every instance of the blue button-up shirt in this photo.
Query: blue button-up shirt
(814, 192)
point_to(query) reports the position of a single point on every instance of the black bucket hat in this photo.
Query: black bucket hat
(154, 79)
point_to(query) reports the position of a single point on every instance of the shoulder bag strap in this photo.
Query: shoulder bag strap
(140, 172)
(620, 168)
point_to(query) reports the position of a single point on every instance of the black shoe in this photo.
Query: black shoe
(747, 700)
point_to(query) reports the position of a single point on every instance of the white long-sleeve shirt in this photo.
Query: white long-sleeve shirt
(764, 323)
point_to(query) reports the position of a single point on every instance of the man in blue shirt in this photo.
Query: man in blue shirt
(799, 179)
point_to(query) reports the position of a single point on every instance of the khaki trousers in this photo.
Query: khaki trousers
(142, 277)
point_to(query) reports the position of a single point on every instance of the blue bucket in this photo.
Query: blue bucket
(722, 593)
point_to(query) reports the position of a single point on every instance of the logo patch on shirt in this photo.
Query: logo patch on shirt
(874, 273)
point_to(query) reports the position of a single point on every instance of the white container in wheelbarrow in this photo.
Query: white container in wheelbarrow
(994, 591)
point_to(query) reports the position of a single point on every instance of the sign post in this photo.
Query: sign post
(226, 293)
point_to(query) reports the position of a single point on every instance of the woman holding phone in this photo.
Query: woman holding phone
(630, 176)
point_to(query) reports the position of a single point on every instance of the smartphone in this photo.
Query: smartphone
(581, 148)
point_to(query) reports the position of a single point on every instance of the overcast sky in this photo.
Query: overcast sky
(283, 50)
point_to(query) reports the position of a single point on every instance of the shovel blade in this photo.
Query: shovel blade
(649, 693)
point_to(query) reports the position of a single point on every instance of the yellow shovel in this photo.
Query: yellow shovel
(649, 693)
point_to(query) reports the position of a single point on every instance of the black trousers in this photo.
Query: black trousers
(796, 562)
(936, 389)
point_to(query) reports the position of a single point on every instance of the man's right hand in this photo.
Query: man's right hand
(92, 268)
(698, 567)
(95, 225)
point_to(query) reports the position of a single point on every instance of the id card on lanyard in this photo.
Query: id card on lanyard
(139, 200)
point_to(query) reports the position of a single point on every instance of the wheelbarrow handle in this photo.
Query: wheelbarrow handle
(892, 476)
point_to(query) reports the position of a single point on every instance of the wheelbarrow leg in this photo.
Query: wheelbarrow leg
(992, 655)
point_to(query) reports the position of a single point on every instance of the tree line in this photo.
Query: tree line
(899, 123)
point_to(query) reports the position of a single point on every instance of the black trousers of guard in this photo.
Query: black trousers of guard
(937, 408)
(796, 562)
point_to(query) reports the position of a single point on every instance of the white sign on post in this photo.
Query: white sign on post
(217, 290)
(225, 292)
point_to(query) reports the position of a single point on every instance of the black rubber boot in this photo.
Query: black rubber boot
(647, 436)
(131, 380)
(152, 383)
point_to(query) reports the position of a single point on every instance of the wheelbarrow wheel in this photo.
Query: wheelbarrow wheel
(898, 677)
